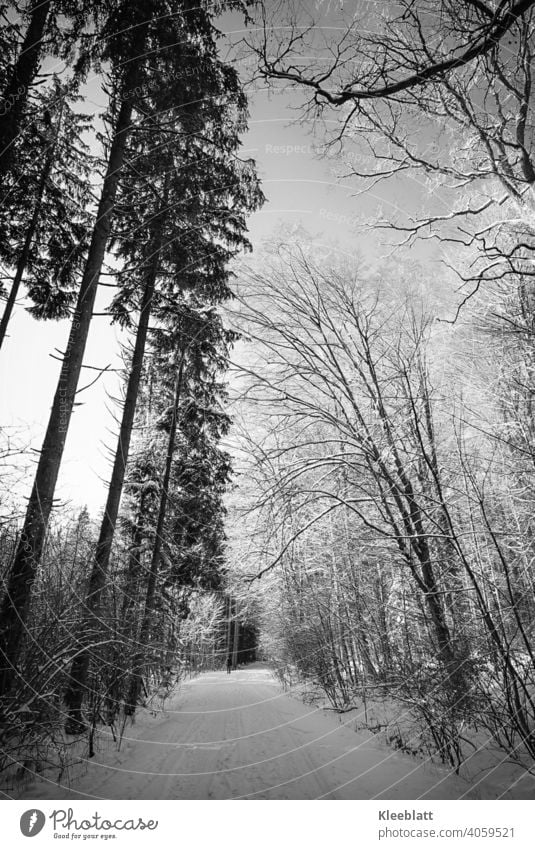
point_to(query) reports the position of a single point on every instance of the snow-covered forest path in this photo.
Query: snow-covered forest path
(240, 736)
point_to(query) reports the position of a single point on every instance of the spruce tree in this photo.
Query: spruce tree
(125, 38)
(181, 218)
(195, 469)
(19, 79)
(45, 212)
(51, 27)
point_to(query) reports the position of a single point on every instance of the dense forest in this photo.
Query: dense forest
(322, 459)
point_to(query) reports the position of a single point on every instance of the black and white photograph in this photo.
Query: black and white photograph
(267, 428)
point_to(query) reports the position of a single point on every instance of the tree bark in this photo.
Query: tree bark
(135, 685)
(435, 607)
(228, 659)
(134, 563)
(129, 611)
(97, 581)
(236, 638)
(15, 94)
(17, 598)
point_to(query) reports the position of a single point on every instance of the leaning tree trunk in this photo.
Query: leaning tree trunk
(16, 602)
(136, 680)
(15, 94)
(80, 667)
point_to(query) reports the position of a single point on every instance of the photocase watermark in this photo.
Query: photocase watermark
(339, 218)
(7, 105)
(152, 86)
(95, 826)
(67, 827)
(347, 158)
(32, 822)
(291, 149)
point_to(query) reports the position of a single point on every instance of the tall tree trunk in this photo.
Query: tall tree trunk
(17, 598)
(15, 95)
(134, 563)
(229, 631)
(129, 614)
(236, 639)
(435, 606)
(30, 232)
(136, 680)
(80, 667)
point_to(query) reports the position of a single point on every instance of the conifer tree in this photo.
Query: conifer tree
(45, 211)
(50, 27)
(20, 77)
(180, 219)
(125, 49)
(195, 469)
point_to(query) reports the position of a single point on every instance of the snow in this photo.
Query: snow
(240, 736)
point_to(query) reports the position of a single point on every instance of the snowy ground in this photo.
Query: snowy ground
(241, 737)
